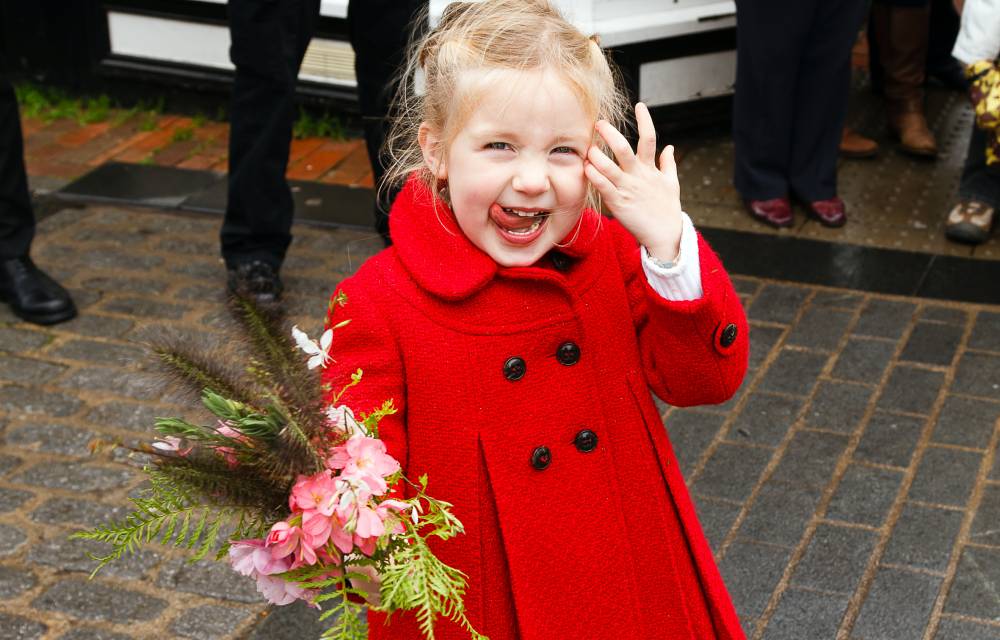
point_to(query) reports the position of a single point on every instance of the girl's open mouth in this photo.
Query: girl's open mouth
(517, 225)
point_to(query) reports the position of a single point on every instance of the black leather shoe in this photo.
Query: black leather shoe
(32, 294)
(257, 281)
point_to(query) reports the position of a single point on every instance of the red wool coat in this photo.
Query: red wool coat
(524, 394)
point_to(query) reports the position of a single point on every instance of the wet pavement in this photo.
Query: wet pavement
(850, 489)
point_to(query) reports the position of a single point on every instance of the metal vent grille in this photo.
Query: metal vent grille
(329, 61)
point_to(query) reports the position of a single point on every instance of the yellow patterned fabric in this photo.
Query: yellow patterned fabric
(984, 90)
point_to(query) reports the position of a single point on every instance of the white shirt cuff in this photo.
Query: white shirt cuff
(683, 280)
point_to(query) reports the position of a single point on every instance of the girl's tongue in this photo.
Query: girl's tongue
(507, 220)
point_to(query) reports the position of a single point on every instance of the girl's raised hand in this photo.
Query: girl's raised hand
(643, 197)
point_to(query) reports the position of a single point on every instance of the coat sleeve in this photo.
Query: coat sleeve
(368, 344)
(693, 351)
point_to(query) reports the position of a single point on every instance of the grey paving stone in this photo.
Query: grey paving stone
(777, 303)
(17, 399)
(762, 340)
(146, 308)
(127, 415)
(209, 622)
(986, 524)
(18, 340)
(11, 499)
(716, 519)
(70, 554)
(863, 360)
(50, 438)
(820, 328)
(765, 419)
(978, 374)
(202, 293)
(11, 539)
(966, 422)
(15, 580)
(28, 370)
(19, 628)
(911, 390)
(793, 372)
(745, 286)
(974, 591)
(890, 439)
(986, 332)
(944, 314)
(923, 537)
(751, 572)
(805, 614)
(864, 495)
(810, 459)
(837, 300)
(898, 605)
(294, 622)
(932, 343)
(732, 472)
(94, 600)
(77, 511)
(82, 477)
(835, 559)
(8, 463)
(207, 270)
(113, 284)
(945, 476)
(690, 433)
(838, 406)
(115, 260)
(98, 326)
(132, 384)
(91, 633)
(99, 352)
(780, 513)
(206, 578)
(950, 629)
(884, 318)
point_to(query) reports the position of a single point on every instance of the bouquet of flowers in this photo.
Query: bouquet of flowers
(291, 487)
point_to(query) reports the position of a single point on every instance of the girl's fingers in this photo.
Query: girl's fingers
(668, 164)
(605, 165)
(646, 149)
(617, 143)
(604, 186)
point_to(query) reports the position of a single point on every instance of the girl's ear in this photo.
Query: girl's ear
(430, 144)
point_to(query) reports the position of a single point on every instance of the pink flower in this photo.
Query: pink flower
(316, 529)
(369, 583)
(364, 459)
(313, 493)
(229, 453)
(283, 539)
(369, 524)
(172, 444)
(251, 556)
(281, 592)
(340, 536)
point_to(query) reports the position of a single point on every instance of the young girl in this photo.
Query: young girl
(519, 334)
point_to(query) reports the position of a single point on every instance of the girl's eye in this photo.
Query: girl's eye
(499, 146)
(564, 150)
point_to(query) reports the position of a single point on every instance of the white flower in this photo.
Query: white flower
(320, 352)
(342, 419)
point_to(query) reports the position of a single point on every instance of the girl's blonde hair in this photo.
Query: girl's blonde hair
(493, 35)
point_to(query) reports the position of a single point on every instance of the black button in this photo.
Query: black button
(514, 368)
(568, 353)
(561, 261)
(585, 441)
(728, 336)
(541, 458)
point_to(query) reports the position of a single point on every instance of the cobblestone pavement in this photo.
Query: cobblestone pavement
(851, 489)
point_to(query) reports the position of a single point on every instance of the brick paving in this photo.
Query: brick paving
(851, 489)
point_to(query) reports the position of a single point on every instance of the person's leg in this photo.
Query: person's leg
(821, 96)
(269, 39)
(379, 32)
(30, 292)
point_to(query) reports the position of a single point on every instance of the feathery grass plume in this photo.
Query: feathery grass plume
(191, 370)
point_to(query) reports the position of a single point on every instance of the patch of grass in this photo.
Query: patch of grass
(147, 160)
(199, 121)
(50, 104)
(182, 134)
(323, 126)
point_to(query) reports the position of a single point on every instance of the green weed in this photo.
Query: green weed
(324, 126)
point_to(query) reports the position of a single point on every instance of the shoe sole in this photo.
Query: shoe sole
(966, 234)
(45, 318)
(824, 222)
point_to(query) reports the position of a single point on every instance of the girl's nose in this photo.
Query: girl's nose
(531, 178)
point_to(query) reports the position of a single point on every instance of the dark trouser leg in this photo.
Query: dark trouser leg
(17, 220)
(821, 95)
(269, 39)
(770, 42)
(379, 31)
(980, 182)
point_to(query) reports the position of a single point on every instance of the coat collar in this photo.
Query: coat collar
(441, 259)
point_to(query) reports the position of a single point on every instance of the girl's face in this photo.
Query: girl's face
(515, 169)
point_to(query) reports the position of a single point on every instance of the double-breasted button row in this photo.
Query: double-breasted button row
(515, 367)
(585, 441)
(728, 335)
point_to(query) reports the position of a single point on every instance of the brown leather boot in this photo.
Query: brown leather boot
(855, 145)
(902, 34)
